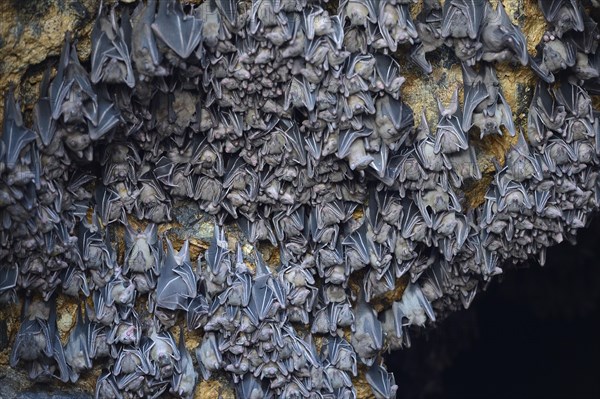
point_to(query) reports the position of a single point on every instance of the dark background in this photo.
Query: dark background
(535, 333)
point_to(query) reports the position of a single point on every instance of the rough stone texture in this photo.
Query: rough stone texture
(32, 33)
(14, 384)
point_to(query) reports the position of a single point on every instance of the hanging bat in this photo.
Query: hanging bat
(184, 381)
(357, 242)
(77, 350)
(15, 137)
(141, 249)
(382, 383)
(38, 341)
(485, 105)
(110, 59)
(429, 27)
(208, 355)
(108, 117)
(564, 15)
(144, 51)
(462, 18)
(74, 280)
(367, 337)
(502, 41)
(176, 283)
(181, 32)
(450, 136)
(44, 124)
(106, 386)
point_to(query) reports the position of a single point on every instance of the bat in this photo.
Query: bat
(357, 241)
(131, 360)
(564, 15)
(485, 105)
(108, 117)
(144, 51)
(396, 24)
(180, 32)
(429, 29)
(141, 249)
(316, 23)
(108, 205)
(38, 341)
(15, 137)
(176, 283)
(106, 387)
(44, 124)
(387, 72)
(8, 281)
(77, 350)
(359, 13)
(184, 381)
(110, 58)
(252, 387)
(553, 56)
(367, 337)
(209, 356)
(74, 280)
(450, 136)
(462, 18)
(502, 41)
(217, 254)
(197, 312)
(162, 352)
(382, 383)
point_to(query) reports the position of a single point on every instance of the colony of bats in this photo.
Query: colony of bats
(287, 118)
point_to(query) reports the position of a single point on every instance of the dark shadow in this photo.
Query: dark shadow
(535, 333)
